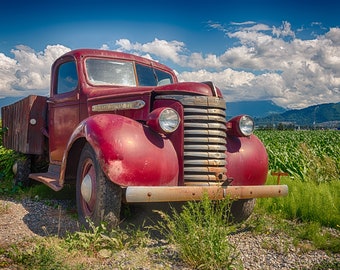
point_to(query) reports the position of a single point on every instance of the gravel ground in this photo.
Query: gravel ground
(28, 218)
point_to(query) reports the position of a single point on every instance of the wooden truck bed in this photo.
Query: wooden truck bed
(25, 121)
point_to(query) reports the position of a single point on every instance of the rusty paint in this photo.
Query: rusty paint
(279, 174)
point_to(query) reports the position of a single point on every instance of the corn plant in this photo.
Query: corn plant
(305, 155)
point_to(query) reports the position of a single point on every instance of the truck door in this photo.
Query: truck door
(63, 106)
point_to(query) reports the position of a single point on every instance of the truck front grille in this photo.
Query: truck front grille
(204, 139)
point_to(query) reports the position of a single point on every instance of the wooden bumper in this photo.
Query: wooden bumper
(188, 193)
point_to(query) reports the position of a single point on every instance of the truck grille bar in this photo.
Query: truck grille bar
(204, 139)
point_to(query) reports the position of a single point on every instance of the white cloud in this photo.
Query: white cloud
(197, 60)
(265, 62)
(215, 25)
(104, 47)
(226, 79)
(165, 50)
(29, 71)
(294, 73)
(7, 75)
(334, 36)
(243, 23)
(284, 30)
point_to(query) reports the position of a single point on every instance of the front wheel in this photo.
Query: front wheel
(242, 209)
(98, 199)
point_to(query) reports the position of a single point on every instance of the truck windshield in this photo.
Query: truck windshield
(113, 72)
(110, 72)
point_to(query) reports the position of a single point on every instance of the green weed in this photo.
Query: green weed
(40, 257)
(101, 240)
(313, 232)
(200, 233)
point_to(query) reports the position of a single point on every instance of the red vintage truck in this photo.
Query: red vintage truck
(124, 130)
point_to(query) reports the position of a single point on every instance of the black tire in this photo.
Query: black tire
(241, 210)
(21, 170)
(104, 204)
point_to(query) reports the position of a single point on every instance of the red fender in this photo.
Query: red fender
(247, 161)
(130, 154)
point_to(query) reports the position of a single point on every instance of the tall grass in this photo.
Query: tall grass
(311, 206)
(306, 202)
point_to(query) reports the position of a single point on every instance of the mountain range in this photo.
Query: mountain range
(255, 109)
(321, 115)
(266, 112)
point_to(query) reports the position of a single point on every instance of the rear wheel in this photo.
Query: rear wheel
(26, 164)
(21, 170)
(98, 199)
(242, 209)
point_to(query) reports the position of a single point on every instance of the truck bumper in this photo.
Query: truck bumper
(134, 194)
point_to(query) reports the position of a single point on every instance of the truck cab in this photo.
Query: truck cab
(124, 130)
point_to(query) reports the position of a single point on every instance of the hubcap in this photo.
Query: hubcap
(86, 188)
(15, 168)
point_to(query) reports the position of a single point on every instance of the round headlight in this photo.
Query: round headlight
(169, 120)
(246, 125)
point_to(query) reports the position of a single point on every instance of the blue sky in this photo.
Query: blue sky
(285, 51)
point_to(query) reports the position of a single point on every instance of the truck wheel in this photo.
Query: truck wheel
(98, 199)
(241, 209)
(21, 169)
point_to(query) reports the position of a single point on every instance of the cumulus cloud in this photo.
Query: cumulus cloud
(28, 72)
(268, 62)
(263, 62)
(284, 30)
(165, 50)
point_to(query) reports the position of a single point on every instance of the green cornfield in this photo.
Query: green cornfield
(312, 160)
(305, 155)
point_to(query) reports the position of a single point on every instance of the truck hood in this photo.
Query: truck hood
(206, 89)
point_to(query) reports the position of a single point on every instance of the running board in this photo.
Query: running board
(50, 179)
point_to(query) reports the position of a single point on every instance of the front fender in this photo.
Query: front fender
(129, 153)
(247, 161)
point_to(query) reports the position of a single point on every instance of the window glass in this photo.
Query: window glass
(148, 76)
(110, 72)
(67, 77)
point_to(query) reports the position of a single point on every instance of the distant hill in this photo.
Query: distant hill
(317, 115)
(260, 108)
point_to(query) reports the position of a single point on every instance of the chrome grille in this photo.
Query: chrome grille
(204, 139)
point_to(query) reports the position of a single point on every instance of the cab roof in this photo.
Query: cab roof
(82, 53)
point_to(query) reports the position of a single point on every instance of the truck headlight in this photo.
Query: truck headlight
(240, 126)
(246, 125)
(164, 120)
